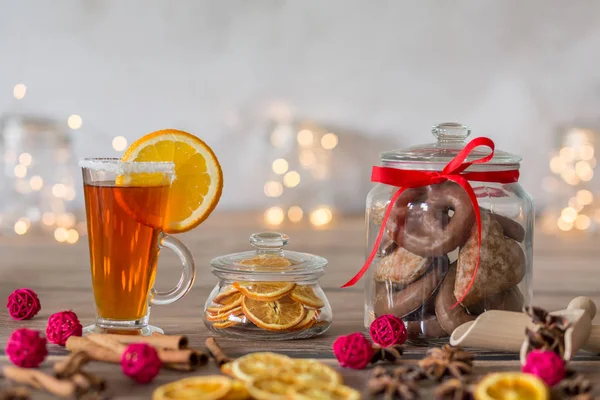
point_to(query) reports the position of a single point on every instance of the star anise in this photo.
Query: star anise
(446, 361)
(575, 386)
(550, 332)
(392, 354)
(454, 389)
(392, 387)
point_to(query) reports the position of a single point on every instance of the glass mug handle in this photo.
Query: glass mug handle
(188, 273)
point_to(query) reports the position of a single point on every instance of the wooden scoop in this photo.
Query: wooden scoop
(498, 330)
(579, 312)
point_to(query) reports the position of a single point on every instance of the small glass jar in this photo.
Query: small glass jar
(268, 293)
(426, 260)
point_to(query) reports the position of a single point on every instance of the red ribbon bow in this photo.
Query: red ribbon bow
(453, 171)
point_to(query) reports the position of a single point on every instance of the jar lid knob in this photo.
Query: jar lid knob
(450, 132)
(269, 242)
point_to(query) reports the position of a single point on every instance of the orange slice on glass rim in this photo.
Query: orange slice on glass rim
(511, 385)
(276, 315)
(198, 183)
(224, 324)
(306, 295)
(264, 291)
(211, 387)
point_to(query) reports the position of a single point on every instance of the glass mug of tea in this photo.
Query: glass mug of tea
(126, 206)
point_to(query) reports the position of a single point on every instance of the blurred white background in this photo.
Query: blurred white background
(516, 71)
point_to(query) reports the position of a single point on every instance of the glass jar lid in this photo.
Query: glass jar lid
(269, 261)
(450, 141)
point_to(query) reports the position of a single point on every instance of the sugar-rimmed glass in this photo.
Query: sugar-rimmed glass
(126, 205)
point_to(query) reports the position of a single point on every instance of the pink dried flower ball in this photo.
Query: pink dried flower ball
(546, 365)
(25, 348)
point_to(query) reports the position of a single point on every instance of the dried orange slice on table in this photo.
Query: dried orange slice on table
(254, 365)
(264, 291)
(276, 315)
(511, 385)
(306, 295)
(310, 371)
(270, 387)
(211, 387)
(198, 183)
(319, 391)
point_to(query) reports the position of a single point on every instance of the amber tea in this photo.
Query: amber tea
(124, 223)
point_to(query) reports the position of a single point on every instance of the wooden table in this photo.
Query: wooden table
(59, 273)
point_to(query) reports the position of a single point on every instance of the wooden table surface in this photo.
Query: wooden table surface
(563, 268)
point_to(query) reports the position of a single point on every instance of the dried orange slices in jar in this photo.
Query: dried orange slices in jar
(268, 293)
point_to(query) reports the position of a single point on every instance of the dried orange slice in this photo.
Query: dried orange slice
(305, 294)
(266, 260)
(225, 294)
(230, 303)
(511, 385)
(277, 315)
(238, 391)
(226, 369)
(264, 291)
(307, 371)
(254, 365)
(319, 391)
(273, 387)
(309, 320)
(198, 182)
(211, 387)
(224, 316)
(224, 324)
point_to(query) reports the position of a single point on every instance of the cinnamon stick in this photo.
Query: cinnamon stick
(216, 351)
(93, 350)
(86, 382)
(159, 341)
(108, 342)
(15, 393)
(39, 380)
(71, 365)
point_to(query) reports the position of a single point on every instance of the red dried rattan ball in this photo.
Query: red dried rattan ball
(61, 326)
(546, 365)
(26, 348)
(353, 351)
(140, 362)
(388, 330)
(23, 304)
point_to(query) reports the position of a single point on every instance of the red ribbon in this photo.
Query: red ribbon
(453, 171)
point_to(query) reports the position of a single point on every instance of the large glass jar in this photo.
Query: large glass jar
(268, 293)
(424, 270)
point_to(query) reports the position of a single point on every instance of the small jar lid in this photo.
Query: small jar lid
(450, 141)
(269, 261)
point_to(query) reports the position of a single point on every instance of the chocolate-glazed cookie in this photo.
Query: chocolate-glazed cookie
(427, 328)
(509, 300)
(510, 227)
(502, 263)
(420, 219)
(448, 317)
(401, 300)
(402, 267)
